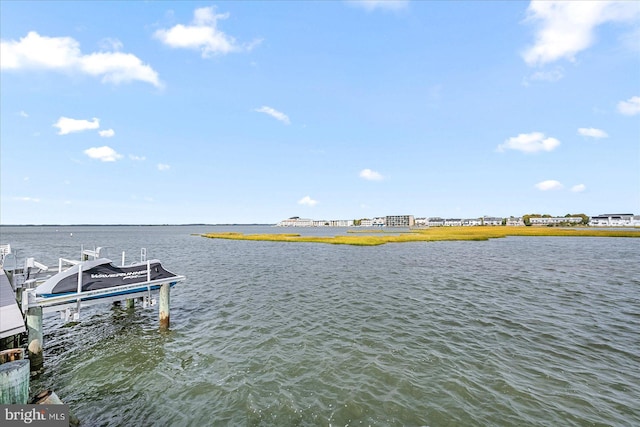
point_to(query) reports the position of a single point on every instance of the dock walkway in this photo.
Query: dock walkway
(11, 321)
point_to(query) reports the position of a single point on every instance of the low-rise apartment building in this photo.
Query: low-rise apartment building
(462, 222)
(422, 222)
(471, 222)
(515, 221)
(399, 221)
(491, 220)
(333, 223)
(378, 222)
(615, 220)
(555, 220)
(306, 222)
(453, 222)
(435, 222)
(296, 222)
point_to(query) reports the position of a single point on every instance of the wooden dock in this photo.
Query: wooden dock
(11, 320)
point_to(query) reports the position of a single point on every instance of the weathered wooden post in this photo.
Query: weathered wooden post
(131, 303)
(163, 311)
(14, 382)
(49, 397)
(36, 344)
(11, 355)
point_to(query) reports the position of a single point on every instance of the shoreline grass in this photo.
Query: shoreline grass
(429, 235)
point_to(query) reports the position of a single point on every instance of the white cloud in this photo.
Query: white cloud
(630, 107)
(105, 154)
(111, 44)
(579, 188)
(38, 52)
(307, 201)
(274, 113)
(593, 132)
(380, 4)
(549, 185)
(137, 158)
(203, 35)
(163, 167)
(67, 125)
(27, 199)
(567, 27)
(35, 51)
(370, 175)
(108, 133)
(118, 67)
(23, 114)
(529, 143)
(545, 76)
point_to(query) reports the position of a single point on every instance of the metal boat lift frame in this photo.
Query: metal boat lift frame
(69, 304)
(87, 298)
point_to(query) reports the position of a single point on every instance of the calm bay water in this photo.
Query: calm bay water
(538, 331)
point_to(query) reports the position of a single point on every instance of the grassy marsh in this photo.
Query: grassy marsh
(430, 235)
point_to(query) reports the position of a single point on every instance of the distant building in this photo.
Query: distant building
(421, 222)
(333, 223)
(435, 222)
(399, 221)
(615, 220)
(378, 222)
(604, 220)
(515, 221)
(491, 220)
(471, 222)
(555, 220)
(306, 222)
(453, 222)
(341, 223)
(462, 222)
(296, 222)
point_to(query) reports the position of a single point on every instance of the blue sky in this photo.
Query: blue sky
(253, 112)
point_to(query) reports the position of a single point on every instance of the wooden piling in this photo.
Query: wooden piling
(49, 397)
(14, 382)
(131, 303)
(11, 355)
(163, 311)
(34, 328)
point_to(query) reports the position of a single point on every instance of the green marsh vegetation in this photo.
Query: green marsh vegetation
(429, 235)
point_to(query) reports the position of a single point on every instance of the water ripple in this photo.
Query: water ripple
(515, 331)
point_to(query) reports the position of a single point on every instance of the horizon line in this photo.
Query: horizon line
(130, 225)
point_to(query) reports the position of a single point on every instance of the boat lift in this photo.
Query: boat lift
(24, 282)
(69, 304)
